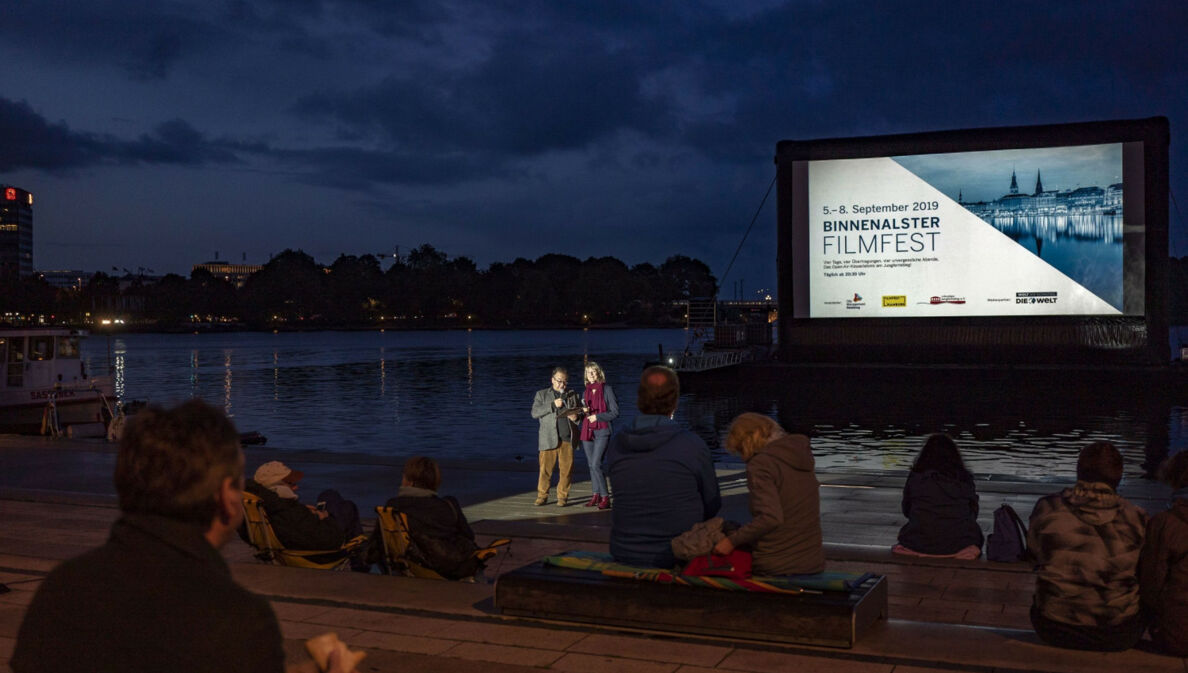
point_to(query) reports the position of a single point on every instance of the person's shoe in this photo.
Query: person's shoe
(604, 502)
(540, 501)
(561, 501)
(593, 501)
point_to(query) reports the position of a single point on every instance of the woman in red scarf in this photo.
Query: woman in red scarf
(601, 409)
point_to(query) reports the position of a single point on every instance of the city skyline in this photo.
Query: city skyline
(153, 135)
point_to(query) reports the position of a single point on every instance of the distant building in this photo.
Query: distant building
(72, 279)
(236, 274)
(16, 231)
(1091, 213)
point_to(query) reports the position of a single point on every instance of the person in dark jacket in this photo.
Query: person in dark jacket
(784, 533)
(663, 476)
(158, 596)
(442, 540)
(1163, 564)
(941, 505)
(300, 526)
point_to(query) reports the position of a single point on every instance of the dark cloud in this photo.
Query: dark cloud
(146, 39)
(29, 141)
(838, 69)
(532, 95)
(33, 142)
(654, 120)
(174, 142)
(359, 169)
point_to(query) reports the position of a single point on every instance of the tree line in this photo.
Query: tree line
(426, 287)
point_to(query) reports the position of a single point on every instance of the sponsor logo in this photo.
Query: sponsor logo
(45, 394)
(1035, 297)
(946, 299)
(856, 302)
(894, 300)
(857, 298)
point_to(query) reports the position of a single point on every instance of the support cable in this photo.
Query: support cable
(748, 232)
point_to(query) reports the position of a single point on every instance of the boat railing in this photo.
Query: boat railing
(50, 425)
(705, 360)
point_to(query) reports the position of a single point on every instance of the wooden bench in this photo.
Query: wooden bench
(835, 619)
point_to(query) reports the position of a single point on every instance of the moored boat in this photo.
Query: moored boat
(44, 385)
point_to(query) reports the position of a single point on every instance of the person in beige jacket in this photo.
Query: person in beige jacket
(784, 533)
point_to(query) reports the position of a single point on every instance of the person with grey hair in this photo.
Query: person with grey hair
(556, 436)
(158, 596)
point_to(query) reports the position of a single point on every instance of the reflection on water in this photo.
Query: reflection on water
(462, 394)
(1030, 435)
(1086, 226)
(118, 367)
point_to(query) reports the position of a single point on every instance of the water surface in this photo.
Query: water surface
(467, 395)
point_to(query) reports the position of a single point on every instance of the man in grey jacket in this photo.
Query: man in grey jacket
(556, 437)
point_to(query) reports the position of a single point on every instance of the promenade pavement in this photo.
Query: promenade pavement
(56, 501)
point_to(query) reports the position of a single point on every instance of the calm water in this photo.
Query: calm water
(458, 395)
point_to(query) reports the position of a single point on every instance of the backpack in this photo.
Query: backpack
(1008, 542)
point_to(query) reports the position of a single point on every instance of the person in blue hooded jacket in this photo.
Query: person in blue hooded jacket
(663, 477)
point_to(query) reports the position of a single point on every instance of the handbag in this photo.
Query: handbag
(698, 540)
(735, 566)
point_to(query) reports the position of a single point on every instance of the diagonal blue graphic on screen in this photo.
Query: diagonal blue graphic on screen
(1061, 204)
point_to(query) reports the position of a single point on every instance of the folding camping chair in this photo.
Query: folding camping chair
(393, 529)
(270, 550)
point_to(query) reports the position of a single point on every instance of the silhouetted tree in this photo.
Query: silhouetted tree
(290, 288)
(689, 278)
(169, 301)
(210, 296)
(355, 286)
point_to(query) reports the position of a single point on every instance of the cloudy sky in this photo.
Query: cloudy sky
(154, 133)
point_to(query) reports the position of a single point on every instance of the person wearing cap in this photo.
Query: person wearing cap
(300, 526)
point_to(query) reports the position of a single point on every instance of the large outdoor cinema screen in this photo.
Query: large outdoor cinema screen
(1018, 223)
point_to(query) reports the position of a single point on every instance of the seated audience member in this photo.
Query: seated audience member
(300, 526)
(941, 505)
(442, 540)
(1086, 542)
(663, 477)
(158, 596)
(1163, 566)
(784, 533)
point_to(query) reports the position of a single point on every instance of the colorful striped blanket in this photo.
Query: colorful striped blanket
(790, 584)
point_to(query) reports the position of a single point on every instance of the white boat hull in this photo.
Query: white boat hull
(44, 385)
(22, 411)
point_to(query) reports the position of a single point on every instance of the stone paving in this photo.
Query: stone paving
(56, 501)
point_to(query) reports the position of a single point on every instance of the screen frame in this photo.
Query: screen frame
(882, 338)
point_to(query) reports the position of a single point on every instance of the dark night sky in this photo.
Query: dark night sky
(154, 133)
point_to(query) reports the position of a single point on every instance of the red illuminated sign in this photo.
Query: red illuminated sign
(10, 194)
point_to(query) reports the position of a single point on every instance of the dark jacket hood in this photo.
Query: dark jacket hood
(958, 489)
(791, 450)
(648, 433)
